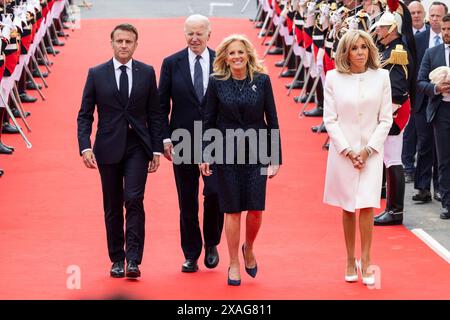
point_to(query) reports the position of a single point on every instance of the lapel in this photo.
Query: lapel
(112, 75)
(135, 82)
(183, 63)
(440, 57)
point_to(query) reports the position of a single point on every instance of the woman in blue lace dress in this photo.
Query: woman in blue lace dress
(241, 108)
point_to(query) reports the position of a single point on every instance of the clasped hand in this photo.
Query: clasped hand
(358, 159)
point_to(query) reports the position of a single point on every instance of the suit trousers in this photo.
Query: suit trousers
(427, 165)
(441, 126)
(187, 182)
(409, 146)
(123, 183)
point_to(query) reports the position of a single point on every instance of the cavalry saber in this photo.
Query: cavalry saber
(8, 110)
(296, 76)
(272, 41)
(313, 89)
(16, 100)
(266, 22)
(286, 61)
(305, 85)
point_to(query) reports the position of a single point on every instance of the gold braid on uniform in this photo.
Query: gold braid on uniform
(398, 56)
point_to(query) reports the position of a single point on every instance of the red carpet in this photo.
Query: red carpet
(51, 211)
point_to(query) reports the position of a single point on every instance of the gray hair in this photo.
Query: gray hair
(198, 18)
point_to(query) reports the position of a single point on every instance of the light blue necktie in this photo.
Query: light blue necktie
(437, 40)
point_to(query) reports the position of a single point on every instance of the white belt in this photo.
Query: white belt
(298, 22)
(11, 46)
(318, 37)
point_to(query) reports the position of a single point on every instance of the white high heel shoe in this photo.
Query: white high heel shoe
(368, 280)
(353, 277)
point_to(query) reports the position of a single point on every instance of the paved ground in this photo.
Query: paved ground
(423, 216)
(163, 8)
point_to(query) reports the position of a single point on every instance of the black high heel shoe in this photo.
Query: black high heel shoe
(251, 271)
(233, 282)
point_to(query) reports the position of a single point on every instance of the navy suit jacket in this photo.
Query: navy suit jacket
(177, 93)
(142, 112)
(433, 58)
(422, 41)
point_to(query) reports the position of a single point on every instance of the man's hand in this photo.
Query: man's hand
(168, 151)
(154, 164)
(204, 169)
(273, 170)
(89, 159)
(443, 87)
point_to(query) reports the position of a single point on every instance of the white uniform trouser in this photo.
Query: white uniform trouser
(393, 150)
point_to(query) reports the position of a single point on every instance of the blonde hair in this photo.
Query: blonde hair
(222, 70)
(347, 41)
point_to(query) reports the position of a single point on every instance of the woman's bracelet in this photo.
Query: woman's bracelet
(368, 150)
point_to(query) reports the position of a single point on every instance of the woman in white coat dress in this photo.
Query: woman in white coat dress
(357, 116)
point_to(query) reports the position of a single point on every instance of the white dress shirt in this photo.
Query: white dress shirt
(424, 28)
(118, 72)
(204, 62)
(432, 38)
(447, 58)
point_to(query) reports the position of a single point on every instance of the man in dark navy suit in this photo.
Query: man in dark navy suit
(427, 166)
(438, 108)
(128, 139)
(182, 86)
(417, 12)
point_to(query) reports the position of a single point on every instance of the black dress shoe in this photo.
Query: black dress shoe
(288, 73)
(303, 98)
(316, 112)
(211, 257)
(118, 269)
(4, 149)
(269, 34)
(133, 270)
(409, 177)
(445, 214)
(16, 113)
(189, 266)
(422, 196)
(50, 50)
(275, 50)
(259, 25)
(298, 84)
(1, 172)
(279, 63)
(437, 196)
(9, 128)
(35, 74)
(26, 98)
(58, 43)
(61, 34)
(320, 128)
(389, 218)
(42, 63)
(32, 86)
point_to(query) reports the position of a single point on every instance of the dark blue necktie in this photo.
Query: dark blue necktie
(198, 78)
(123, 84)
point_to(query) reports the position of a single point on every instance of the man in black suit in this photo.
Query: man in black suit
(427, 166)
(128, 138)
(182, 86)
(409, 150)
(438, 108)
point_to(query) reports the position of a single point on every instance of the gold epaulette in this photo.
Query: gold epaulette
(398, 56)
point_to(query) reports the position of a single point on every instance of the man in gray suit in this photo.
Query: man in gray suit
(438, 108)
